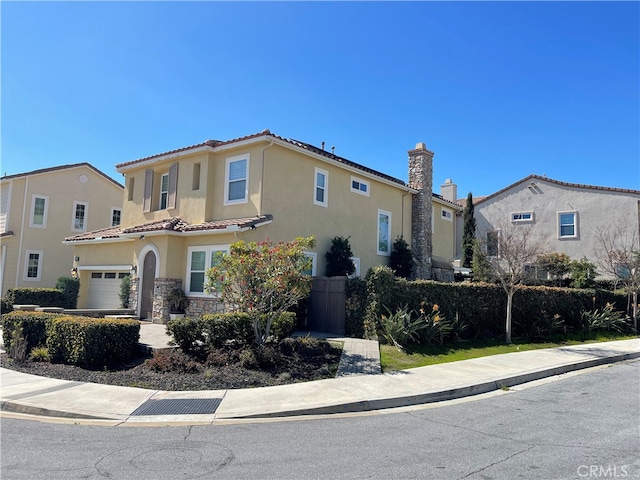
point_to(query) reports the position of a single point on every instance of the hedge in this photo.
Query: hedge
(481, 306)
(92, 341)
(213, 330)
(34, 327)
(45, 297)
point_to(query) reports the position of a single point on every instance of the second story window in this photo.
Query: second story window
(321, 185)
(359, 186)
(447, 214)
(116, 216)
(237, 175)
(384, 232)
(567, 225)
(79, 222)
(164, 191)
(39, 211)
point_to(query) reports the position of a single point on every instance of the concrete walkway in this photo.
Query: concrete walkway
(111, 405)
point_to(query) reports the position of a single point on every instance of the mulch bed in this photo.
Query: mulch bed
(290, 361)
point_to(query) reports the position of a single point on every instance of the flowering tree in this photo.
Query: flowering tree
(262, 279)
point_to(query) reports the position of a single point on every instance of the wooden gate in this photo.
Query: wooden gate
(327, 305)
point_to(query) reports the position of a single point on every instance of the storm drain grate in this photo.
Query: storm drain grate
(178, 406)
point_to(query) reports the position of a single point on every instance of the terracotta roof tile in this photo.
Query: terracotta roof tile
(175, 224)
(264, 133)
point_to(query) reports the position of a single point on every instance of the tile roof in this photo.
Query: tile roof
(267, 133)
(175, 224)
(62, 167)
(557, 182)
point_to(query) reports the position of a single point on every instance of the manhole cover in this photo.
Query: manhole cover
(178, 406)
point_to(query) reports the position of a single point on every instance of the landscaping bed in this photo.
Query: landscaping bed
(289, 361)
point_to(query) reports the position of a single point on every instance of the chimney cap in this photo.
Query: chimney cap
(420, 146)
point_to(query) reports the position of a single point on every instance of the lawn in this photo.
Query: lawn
(421, 355)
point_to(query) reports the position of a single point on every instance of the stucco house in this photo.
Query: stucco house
(181, 207)
(567, 215)
(39, 209)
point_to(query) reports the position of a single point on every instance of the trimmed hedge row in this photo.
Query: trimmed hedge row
(72, 339)
(481, 306)
(191, 333)
(45, 297)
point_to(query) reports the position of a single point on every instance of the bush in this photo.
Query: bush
(34, 326)
(92, 342)
(170, 360)
(338, 258)
(6, 307)
(69, 288)
(401, 259)
(186, 333)
(45, 297)
(18, 349)
(40, 354)
(125, 290)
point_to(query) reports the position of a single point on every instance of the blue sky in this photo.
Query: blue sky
(498, 90)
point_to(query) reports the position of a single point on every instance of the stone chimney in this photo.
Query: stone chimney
(421, 179)
(449, 190)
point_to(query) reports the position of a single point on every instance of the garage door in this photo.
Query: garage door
(104, 289)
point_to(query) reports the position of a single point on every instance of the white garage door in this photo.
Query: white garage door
(104, 289)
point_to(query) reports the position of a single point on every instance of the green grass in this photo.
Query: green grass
(421, 355)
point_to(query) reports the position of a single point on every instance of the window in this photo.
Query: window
(96, 274)
(110, 275)
(195, 182)
(79, 221)
(39, 210)
(321, 185)
(567, 227)
(123, 274)
(130, 184)
(116, 216)
(311, 271)
(492, 243)
(164, 191)
(446, 214)
(359, 186)
(235, 188)
(356, 263)
(201, 259)
(522, 217)
(384, 232)
(33, 267)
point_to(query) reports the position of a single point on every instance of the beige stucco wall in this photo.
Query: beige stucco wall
(444, 231)
(62, 187)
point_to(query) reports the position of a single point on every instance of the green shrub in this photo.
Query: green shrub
(40, 354)
(92, 342)
(6, 307)
(34, 326)
(170, 360)
(18, 349)
(69, 288)
(125, 290)
(187, 333)
(607, 319)
(45, 297)
(401, 258)
(355, 306)
(338, 258)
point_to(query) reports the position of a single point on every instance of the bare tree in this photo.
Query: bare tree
(619, 257)
(510, 250)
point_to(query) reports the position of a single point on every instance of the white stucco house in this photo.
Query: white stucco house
(567, 215)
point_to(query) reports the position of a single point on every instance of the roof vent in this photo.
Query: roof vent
(333, 150)
(266, 131)
(211, 143)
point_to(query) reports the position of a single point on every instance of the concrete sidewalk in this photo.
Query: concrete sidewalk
(34, 395)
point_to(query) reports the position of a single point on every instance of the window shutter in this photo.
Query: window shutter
(173, 185)
(148, 188)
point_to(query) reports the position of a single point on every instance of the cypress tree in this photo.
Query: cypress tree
(468, 232)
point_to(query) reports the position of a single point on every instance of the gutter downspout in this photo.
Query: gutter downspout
(262, 178)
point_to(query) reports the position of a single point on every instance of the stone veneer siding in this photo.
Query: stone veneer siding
(161, 304)
(421, 179)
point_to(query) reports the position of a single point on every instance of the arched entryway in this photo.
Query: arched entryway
(147, 285)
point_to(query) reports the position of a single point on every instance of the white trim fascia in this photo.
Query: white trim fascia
(7, 207)
(97, 240)
(104, 267)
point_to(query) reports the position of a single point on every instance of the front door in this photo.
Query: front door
(148, 282)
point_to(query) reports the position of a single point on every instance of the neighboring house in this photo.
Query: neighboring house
(567, 215)
(39, 209)
(183, 206)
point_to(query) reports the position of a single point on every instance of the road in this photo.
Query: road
(577, 426)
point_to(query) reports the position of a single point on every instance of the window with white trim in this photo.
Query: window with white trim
(199, 260)
(522, 217)
(493, 247)
(33, 265)
(116, 217)
(237, 180)
(312, 270)
(446, 214)
(384, 233)
(360, 186)
(79, 220)
(567, 224)
(321, 185)
(39, 208)
(164, 191)
(356, 263)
